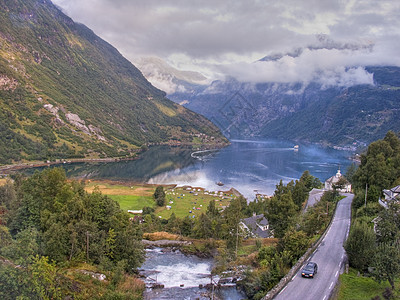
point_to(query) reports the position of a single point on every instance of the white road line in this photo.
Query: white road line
(324, 297)
(337, 272)
(282, 290)
(331, 285)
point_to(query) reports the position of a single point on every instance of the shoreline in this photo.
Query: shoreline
(7, 169)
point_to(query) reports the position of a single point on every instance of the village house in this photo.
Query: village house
(330, 182)
(256, 226)
(389, 196)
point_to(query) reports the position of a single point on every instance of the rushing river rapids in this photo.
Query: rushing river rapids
(181, 276)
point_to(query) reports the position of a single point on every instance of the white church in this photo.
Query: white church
(334, 180)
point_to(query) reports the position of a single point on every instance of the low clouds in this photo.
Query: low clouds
(329, 67)
(227, 38)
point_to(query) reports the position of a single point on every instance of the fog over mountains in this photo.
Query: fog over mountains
(349, 108)
(317, 71)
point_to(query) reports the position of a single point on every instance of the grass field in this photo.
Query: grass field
(128, 202)
(2, 181)
(193, 203)
(360, 288)
(182, 201)
(129, 197)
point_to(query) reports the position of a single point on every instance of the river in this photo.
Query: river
(181, 276)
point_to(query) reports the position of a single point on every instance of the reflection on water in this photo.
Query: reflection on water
(156, 160)
(248, 166)
(257, 166)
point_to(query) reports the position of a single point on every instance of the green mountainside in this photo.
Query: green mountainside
(65, 93)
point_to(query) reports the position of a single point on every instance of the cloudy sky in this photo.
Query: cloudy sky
(328, 40)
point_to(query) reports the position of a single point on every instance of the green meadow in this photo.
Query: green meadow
(183, 201)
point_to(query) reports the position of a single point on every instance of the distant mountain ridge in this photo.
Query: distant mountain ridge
(65, 92)
(342, 116)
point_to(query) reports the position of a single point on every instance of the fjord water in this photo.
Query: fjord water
(248, 166)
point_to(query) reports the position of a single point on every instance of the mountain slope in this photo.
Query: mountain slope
(343, 116)
(65, 92)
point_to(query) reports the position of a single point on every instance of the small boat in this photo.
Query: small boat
(219, 183)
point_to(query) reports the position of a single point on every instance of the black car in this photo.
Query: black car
(309, 270)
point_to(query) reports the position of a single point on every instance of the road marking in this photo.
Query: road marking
(331, 285)
(336, 273)
(339, 264)
(324, 297)
(282, 290)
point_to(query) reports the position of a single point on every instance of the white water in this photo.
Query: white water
(181, 276)
(175, 269)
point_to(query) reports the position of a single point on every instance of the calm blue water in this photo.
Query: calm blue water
(248, 166)
(257, 166)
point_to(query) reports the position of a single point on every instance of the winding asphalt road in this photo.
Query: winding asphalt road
(329, 256)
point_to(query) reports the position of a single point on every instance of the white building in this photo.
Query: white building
(330, 182)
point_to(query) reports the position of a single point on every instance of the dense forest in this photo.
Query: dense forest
(54, 236)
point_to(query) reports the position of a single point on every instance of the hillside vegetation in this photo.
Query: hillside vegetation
(373, 242)
(65, 92)
(60, 242)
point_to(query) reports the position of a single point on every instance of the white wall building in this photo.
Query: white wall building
(330, 182)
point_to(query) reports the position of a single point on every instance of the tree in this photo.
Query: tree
(386, 263)
(233, 213)
(300, 193)
(5, 237)
(128, 247)
(44, 279)
(56, 241)
(281, 212)
(174, 224)
(388, 225)
(159, 196)
(24, 248)
(340, 184)
(202, 228)
(310, 181)
(212, 210)
(380, 165)
(360, 245)
(295, 242)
